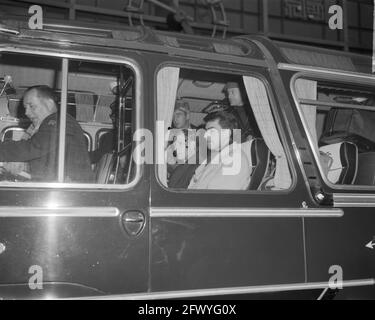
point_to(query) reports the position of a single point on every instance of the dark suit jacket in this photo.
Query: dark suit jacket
(41, 151)
(181, 175)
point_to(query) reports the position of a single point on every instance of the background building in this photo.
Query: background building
(299, 21)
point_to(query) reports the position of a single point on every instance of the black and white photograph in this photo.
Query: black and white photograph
(187, 155)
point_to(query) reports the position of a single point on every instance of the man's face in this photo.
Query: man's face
(35, 107)
(217, 137)
(234, 97)
(180, 119)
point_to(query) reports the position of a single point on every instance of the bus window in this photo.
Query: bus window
(98, 120)
(219, 133)
(101, 96)
(340, 120)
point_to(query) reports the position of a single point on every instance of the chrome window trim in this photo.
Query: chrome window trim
(283, 97)
(199, 212)
(54, 211)
(62, 120)
(326, 104)
(353, 200)
(183, 294)
(321, 71)
(310, 73)
(136, 69)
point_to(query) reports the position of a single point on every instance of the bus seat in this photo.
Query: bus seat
(84, 106)
(366, 169)
(103, 168)
(258, 155)
(88, 140)
(4, 111)
(344, 165)
(12, 133)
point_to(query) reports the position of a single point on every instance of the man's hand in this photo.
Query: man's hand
(15, 168)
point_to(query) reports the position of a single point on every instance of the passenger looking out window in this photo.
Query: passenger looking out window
(179, 140)
(41, 150)
(181, 115)
(184, 155)
(225, 153)
(241, 150)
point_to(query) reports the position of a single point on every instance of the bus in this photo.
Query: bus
(304, 225)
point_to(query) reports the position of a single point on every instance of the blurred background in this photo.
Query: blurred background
(297, 21)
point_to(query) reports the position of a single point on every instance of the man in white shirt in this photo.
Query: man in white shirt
(228, 167)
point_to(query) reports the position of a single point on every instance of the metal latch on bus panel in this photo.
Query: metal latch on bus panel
(133, 222)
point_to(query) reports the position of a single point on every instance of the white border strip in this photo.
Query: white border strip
(177, 212)
(183, 294)
(76, 212)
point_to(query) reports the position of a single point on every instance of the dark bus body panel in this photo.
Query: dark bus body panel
(93, 252)
(341, 242)
(218, 252)
(199, 253)
(338, 241)
(95, 256)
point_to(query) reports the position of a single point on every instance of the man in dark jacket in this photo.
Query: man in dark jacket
(185, 149)
(108, 141)
(41, 150)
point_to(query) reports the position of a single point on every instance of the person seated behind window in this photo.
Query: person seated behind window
(180, 121)
(227, 167)
(41, 150)
(108, 141)
(181, 115)
(183, 152)
(239, 104)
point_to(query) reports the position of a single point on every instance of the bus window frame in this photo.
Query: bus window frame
(336, 77)
(276, 117)
(137, 119)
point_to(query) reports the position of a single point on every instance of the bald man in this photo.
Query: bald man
(41, 150)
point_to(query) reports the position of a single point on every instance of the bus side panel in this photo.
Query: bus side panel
(341, 242)
(73, 252)
(199, 253)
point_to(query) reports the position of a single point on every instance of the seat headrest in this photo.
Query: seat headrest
(344, 162)
(366, 169)
(258, 156)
